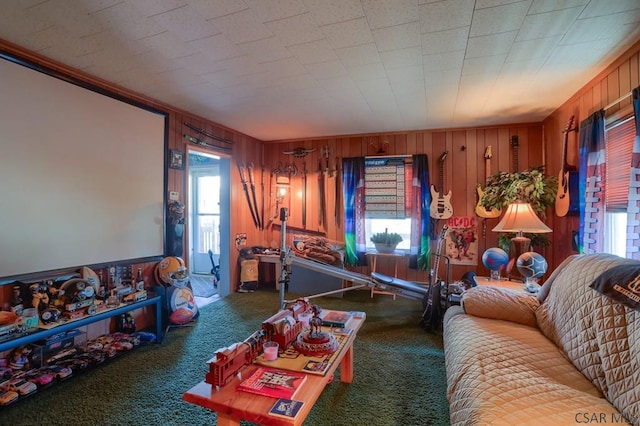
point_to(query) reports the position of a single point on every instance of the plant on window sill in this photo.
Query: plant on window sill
(386, 237)
(386, 242)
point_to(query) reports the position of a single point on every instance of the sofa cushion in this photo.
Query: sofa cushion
(502, 373)
(500, 303)
(598, 335)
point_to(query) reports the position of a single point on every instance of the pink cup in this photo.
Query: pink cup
(270, 351)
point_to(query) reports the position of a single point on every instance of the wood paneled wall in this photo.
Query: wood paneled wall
(612, 84)
(464, 167)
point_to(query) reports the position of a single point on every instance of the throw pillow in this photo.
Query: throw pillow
(620, 283)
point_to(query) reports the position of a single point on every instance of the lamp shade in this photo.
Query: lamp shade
(521, 218)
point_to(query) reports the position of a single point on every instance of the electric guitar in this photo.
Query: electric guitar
(432, 313)
(566, 197)
(480, 210)
(440, 204)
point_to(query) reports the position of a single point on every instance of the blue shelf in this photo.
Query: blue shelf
(72, 325)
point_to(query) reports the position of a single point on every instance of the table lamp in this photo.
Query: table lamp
(521, 218)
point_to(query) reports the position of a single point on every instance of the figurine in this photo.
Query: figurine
(16, 300)
(39, 296)
(315, 322)
(19, 359)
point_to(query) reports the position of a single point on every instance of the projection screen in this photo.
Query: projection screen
(82, 175)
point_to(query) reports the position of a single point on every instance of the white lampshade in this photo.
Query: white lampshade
(521, 218)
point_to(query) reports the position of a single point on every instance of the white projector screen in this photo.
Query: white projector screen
(82, 175)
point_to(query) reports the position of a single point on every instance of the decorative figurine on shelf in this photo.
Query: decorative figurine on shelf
(19, 359)
(16, 300)
(40, 296)
(176, 212)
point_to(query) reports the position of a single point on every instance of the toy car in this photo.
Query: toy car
(5, 372)
(94, 357)
(94, 346)
(74, 364)
(122, 345)
(7, 397)
(67, 353)
(39, 377)
(58, 371)
(19, 385)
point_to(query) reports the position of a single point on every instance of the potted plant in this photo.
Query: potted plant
(386, 242)
(530, 186)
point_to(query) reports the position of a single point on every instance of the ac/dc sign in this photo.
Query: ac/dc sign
(462, 222)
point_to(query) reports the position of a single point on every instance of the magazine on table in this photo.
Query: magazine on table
(335, 318)
(286, 408)
(273, 382)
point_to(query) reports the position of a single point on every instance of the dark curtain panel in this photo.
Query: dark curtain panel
(633, 208)
(592, 180)
(354, 226)
(420, 224)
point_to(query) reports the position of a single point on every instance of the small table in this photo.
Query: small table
(504, 283)
(232, 405)
(275, 260)
(396, 256)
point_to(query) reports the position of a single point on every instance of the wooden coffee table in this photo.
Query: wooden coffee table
(232, 405)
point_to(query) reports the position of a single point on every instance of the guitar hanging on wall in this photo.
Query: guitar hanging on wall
(440, 204)
(567, 195)
(480, 209)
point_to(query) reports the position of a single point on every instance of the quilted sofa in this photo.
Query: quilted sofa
(568, 356)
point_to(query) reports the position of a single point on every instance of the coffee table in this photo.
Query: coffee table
(232, 405)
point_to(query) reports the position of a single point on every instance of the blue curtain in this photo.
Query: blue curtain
(419, 252)
(353, 196)
(633, 206)
(592, 184)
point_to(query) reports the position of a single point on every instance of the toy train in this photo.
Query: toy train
(283, 327)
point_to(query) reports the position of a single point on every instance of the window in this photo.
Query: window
(388, 199)
(620, 136)
(400, 226)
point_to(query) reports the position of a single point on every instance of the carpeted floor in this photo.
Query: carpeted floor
(399, 372)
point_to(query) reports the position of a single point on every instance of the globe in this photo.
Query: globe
(531, 265)
(495, 258)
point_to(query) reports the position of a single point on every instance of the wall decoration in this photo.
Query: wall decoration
(462, 242)
(176, 159)
(385, 189)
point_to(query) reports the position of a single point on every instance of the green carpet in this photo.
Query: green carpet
(399, 372)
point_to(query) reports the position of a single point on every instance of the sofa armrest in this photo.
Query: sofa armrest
(502, 304)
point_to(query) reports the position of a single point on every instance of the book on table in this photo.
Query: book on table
(273, 382)
(335, 318)
(286, 408)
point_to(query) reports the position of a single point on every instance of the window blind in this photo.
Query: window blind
(387, 187)
(620, 138)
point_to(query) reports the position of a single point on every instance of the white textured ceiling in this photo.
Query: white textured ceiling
(278, 69)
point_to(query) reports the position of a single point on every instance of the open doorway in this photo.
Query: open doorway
(208, 201)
